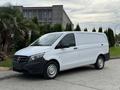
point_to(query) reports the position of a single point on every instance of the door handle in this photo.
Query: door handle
(75, 48)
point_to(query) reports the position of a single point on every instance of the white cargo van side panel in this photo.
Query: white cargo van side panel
(90, 45)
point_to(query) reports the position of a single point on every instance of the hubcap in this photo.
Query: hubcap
(100, 62)
(51, 70)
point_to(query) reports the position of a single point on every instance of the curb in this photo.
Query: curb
(115, 58)
(7, 75)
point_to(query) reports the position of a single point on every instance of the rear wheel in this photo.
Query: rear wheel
(51, 70)
(100, 63)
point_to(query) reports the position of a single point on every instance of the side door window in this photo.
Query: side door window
(67, 41)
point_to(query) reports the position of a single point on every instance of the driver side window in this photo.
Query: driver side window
(67, 41)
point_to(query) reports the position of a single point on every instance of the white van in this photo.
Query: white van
(54, 52)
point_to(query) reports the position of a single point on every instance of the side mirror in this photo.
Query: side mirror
(61, 46)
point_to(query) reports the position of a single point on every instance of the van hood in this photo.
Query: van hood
(32, 50)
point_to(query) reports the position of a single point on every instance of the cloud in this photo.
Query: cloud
(98, 9)
(81, 11)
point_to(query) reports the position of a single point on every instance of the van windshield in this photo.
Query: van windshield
(47, 39)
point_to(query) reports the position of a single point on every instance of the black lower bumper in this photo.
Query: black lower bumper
(31, 68)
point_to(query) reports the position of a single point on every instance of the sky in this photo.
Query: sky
(86, 13)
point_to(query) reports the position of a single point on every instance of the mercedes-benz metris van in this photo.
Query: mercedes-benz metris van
(58, 51)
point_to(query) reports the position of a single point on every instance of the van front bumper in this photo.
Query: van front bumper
(29, 67)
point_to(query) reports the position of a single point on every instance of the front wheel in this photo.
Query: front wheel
(51, 70)
(100, 63)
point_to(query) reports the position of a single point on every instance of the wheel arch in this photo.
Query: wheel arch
(54, 60)
(101, 55)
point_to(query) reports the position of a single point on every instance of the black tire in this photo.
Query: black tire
(100, 63)
(47, 73)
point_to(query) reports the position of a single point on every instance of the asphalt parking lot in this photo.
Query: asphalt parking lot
(83, 78)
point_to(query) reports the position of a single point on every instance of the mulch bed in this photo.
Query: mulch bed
(4, 69)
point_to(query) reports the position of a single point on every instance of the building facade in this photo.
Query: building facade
(47, 15)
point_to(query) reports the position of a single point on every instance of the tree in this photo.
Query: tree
(14, 29)
(106, 32)
(111, 37)
(57, 28)
(28, 28)
(77, 28)
(47, 28)
(85, 30)
(94, 30)
(118, 37)
(68, 27)
(8, 25)
(35, 20)
(100, 30)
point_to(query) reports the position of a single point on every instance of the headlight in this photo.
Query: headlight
(37, 56)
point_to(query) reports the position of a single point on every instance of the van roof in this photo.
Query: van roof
(67, 32)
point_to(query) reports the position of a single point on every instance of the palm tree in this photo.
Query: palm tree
(6, 23)
(13, 27)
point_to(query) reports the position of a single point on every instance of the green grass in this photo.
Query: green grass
(6, 63)
(114, 52)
